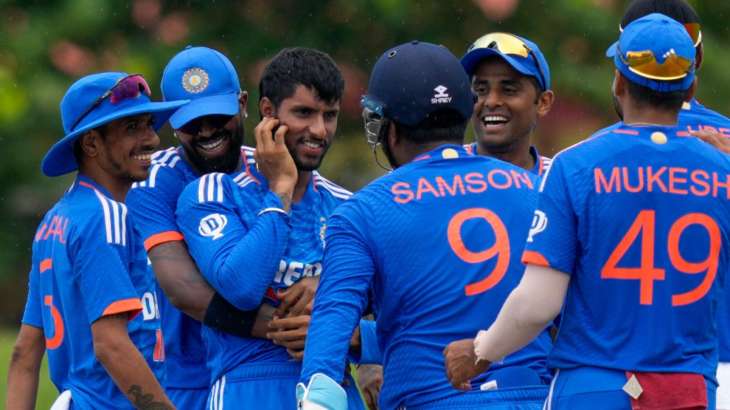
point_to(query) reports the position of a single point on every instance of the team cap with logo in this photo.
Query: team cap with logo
(412, 80)
(520, 53)
(205, 77)
(655, 51)
(95, 100)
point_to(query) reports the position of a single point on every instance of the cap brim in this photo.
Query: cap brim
(60, 158)
(471, 60)
(612, 50)
(223, 104)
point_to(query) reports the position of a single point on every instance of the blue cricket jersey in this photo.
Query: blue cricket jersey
(153, 204)
(639, 217)
(87, 264)
(696, 117)
(436, 246)
(542, 164)
(246, 254)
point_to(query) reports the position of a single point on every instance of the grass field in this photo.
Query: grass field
(47, 393)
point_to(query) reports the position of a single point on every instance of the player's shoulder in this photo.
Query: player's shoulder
(329, 188)
(695, 109)
(93, 212)
(217, 188)
(169, 157)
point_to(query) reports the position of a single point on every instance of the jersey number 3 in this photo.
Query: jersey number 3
(500, 249)
(647, 273)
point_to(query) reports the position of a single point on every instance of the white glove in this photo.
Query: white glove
(322, 393)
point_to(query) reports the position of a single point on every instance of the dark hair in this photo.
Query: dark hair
(667, 100)
(442, 125)
(301, 66)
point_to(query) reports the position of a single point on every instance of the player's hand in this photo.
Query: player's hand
(370, 380)
(290, 333)
(714, 138)
(273, 159)
(297, 299)
(461, 363)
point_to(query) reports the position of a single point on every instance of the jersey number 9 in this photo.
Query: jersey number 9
(500, 249)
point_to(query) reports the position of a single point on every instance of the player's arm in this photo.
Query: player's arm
(340, 300)
(25, 364)
(239, 260)
(717, 140)
(124, 363)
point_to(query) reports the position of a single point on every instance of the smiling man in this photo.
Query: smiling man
(258, 234)
(511, 80)
(91, 300)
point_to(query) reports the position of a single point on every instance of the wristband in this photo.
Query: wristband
(222, 315)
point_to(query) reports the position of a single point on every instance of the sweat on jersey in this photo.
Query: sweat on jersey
(435, 245)
(153, 203)
(247, 254)
(87, 264)
(639, 217)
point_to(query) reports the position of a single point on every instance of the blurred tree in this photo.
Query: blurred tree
(45, 45)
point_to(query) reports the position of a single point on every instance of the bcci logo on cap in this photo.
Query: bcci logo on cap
(195, 80)
(212, 226)
(441, 96)
(539, 223)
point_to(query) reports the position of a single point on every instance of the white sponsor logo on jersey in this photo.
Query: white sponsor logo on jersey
(212, 226)
(539, 223)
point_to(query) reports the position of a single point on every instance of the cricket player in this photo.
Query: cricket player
(264, 227)
(210, 130)
(630, 239)
(511, 79)
(697, 119)
(434, 246)
(91, 302)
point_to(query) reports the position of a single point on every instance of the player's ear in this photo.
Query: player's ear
(619, 83)
(243, 103)
(266, 107)
(90, 143)
(545, 102)
(691, 92)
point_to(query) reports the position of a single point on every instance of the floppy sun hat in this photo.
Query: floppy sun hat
(95, 100)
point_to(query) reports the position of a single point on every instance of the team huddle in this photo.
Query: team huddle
(482, 275)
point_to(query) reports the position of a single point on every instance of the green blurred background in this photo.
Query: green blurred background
(46, 45)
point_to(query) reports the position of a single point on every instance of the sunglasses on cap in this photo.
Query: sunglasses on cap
(693, 29)
(645, 64)
(131, 86)
(512, 45)
(215, 122)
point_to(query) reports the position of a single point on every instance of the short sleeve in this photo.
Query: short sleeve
(152, 205)
(552, 238)
(101, 271)
(33, 315)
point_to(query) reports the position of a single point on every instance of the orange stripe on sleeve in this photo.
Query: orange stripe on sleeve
(534, 258)
(133, 306)
(46, 264)
(162, 237)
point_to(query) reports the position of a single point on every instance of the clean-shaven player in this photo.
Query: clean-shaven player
(435, 244)
(630, 236)
(511, 79)
(264, 228)
(91, 302)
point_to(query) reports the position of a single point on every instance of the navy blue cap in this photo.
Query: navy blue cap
(412, 80)
(205, 77)
(79, 98)
(533, 65)
(667, 41)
